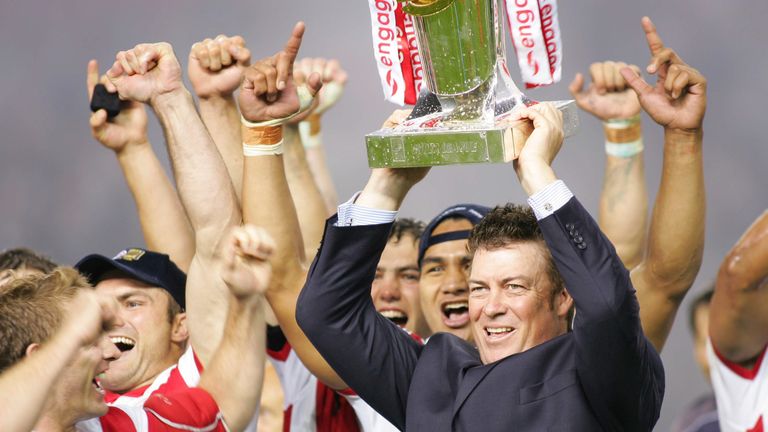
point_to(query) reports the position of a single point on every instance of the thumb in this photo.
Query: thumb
(635, 81)
(314, 83)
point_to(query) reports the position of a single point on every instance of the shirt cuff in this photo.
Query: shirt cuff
(550, 199)
(351, 214)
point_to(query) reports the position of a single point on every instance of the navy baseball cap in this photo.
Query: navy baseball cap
(152, 268)
(471, 212)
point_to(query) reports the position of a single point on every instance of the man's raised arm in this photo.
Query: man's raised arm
(676, 236)
(151, 73)
(236, 370)
(215, 70)
(268, 97)
(624, 198)
(620, 373)
(163, 221)
(738, 323)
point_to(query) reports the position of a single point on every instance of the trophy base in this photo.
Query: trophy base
(396, 148)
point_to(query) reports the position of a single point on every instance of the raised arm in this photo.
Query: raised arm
(305, 186)
(334, 79)
(738, 323)
(215, 70)
(150, 73)
(335, 308)
(624, 198)
(619, 371)
(235, 374)
(163, 220)
(270, 95)
(672, 260)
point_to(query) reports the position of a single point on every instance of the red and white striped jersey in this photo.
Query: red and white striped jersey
(310, 405)
(176, 380)
(741, 393)
(188, 410)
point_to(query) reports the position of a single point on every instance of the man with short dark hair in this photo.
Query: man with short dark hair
(527, 372)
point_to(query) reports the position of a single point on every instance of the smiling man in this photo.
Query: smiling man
(528, 372)
(149, 290)
(444, 264)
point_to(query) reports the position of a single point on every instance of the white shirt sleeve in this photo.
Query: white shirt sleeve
(550, 199)
(351, 214)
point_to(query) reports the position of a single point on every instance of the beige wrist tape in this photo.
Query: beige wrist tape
(262, 141)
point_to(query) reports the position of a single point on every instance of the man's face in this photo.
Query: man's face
(395, 289)
(701, 323)
(77, 389)
(145, 336)
(443, 282)
(510, 301)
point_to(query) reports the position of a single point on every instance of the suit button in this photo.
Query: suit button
(573, 232)
(569, 226)
(578, 239)
(581, 246)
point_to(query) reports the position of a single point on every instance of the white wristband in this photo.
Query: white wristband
(305, 101)
(309, 140)
(263, 150)
(624, 150)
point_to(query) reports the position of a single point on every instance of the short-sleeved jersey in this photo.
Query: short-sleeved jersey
(741, 393)
(189, 410)
(176, 380)
(310, 405)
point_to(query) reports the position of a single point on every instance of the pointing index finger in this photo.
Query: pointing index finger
(288, 55)
(655, 44)
(92, 77)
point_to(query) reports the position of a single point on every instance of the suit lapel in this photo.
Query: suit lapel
(471, 379)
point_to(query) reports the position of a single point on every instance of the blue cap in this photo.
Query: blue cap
(152, 268)
(471, 212)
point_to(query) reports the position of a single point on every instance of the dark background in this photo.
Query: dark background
(62, 194)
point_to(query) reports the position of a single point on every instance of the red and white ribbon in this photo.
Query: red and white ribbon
(535, 32)
(396, 51)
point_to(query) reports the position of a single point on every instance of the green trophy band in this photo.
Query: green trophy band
(461, 43)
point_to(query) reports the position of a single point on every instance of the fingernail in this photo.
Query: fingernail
(281, 85)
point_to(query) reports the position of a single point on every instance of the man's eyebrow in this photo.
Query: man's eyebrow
(432, 260)
(132, 293)
(413, 267)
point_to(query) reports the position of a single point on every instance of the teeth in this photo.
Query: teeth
(498, 330)
(122, 340)
(455, 306)
(393, 314)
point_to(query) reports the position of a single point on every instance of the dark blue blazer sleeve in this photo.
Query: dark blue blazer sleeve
(371, 354)
(619, 369)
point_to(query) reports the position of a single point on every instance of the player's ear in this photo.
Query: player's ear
(179, 333)
(31, 349)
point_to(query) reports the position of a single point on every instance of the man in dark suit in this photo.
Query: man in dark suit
(528, 372)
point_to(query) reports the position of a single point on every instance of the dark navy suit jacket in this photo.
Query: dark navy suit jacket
(602, 376)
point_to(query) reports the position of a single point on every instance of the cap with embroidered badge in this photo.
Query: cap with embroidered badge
(151, 268)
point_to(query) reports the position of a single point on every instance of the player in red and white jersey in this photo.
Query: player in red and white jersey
(738, 332)
(34, 307)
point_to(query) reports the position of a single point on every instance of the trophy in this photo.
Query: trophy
(455, 50)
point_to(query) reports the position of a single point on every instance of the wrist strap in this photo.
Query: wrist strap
(309, 139)
(624, 150)
(305, 101)
(250, 150)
